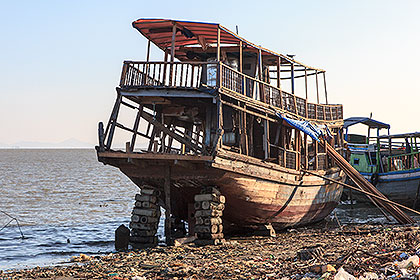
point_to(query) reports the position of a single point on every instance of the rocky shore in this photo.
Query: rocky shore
(363, 251)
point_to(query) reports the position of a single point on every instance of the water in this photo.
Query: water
(67, 195)
(59, 196)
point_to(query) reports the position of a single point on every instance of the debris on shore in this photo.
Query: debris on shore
(348, 252)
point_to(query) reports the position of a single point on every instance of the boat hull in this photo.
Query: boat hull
(251, 201)
(256, 193)
(399, 186)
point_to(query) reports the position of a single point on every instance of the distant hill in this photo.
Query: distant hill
(69, 143)
(3, 145)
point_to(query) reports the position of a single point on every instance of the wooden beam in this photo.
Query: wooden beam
(148, 51)
(135, 128)
(262, 96)
(152, 156)
(218, 43)
(292, 80)
(240, 57)
(166, 130)
(113, 121)
(278, 73)
(325, 88)
(317, 89)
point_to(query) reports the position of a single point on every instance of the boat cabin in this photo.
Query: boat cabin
(381, 153)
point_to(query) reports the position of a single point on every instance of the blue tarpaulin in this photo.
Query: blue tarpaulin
(304, 126)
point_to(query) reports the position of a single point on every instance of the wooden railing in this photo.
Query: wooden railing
(405, 161)
(164, 74)
(195, 74)
(235, 81)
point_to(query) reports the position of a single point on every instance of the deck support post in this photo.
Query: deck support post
(292, 80)
(261, 87)
(135, 128)
(172, 55)
(218, 43)
(317, 89)
(167, 190)
(325, 88)
(113, 121)
(266, 140)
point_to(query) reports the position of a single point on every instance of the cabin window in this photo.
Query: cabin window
(356, 161)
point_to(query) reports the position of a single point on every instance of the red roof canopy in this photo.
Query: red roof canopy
(159, 31)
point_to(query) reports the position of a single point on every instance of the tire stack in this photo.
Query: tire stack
(145, 219)
(209, 206)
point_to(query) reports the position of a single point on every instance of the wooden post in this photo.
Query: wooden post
(306, 93)
(298, 149)
(241, 69)
(246, 132)
(266, 139)
(208, 126)
(172, 54)
(165, 65)
(113, 120)
(325, 88)
(292, 73)
(135, 128)
(279, 81)
(317, 90)
(278, 71)
(220, 122)
(306, 84)
(218, 43)
(167, 190)
(148, 51)
(260, 62)
(305, 139)
(240, 57)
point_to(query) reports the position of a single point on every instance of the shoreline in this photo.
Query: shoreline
(294, 254)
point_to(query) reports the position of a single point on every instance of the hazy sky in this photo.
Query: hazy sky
(60, 61)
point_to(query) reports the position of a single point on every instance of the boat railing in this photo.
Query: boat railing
(405, 161)
(138, 74)
(288, 158)
(193, 75)
(237, 82)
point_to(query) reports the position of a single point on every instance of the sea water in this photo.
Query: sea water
(66, 203)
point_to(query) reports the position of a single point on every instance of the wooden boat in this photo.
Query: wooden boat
(206, 115)
(390, 162)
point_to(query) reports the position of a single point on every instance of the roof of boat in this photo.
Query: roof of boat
(402, 135)
(366, 121)
(190, 33)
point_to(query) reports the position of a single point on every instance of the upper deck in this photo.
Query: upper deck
(208, 57)
(214, 98)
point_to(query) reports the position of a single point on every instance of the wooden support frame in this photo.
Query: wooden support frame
(317, 89)
(163, 128)
(112, 121)
(261, 87)
(325, 88)
(240, 57)
(292, 80)
(135, 128)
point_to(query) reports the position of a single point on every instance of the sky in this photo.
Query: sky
(60, 61)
